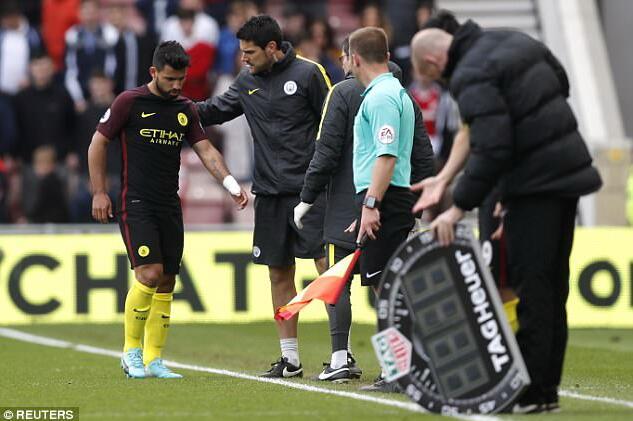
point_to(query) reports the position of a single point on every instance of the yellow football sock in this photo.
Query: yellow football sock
(137, 305)
(157, 326)
(510, 308)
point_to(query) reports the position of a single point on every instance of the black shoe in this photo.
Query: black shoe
(524, 408)
(550, 400)
(380, 385)
(354, 370)
(283, 369)
(334, 375)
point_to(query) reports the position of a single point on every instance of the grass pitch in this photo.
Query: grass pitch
(598, 364)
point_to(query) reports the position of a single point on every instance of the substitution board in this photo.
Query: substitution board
(443, 335)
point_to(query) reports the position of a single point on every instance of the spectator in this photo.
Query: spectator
(57, 17)
(44, 113)
(89, 46)
(294, 23)
(372, 15)
(4, 189)
(322, 34)
(18, 41)
(133, 51)
(8, 129)
(441, 116)
(198, 33)
(43, 192)
(101, 96)
(227, 59)
(156, 13)
(238, 153)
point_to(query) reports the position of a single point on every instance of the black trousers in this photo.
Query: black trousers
(540, 233)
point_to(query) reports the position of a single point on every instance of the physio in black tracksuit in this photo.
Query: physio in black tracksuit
(281, 94)
(512, 93)
(331, 170)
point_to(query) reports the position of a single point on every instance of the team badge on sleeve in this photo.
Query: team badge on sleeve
(105, 116)
(386, 134)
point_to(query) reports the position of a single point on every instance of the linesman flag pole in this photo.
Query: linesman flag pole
(327, 287)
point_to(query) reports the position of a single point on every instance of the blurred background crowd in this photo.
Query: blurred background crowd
(62, 62)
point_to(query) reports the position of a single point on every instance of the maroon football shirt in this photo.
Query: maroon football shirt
(151, 130)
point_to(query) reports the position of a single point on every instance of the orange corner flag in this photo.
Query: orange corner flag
(327, 287)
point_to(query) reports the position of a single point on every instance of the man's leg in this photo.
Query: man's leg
(532, 226)
(561, 293)
(137, 307)
(283, 289)
(157, 327)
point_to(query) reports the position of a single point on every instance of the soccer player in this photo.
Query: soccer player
(152, 122)
(331, 168)
(281, 94)
(383, 141)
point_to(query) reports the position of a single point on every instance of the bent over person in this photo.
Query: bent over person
(512, 93)
(331, 170)
(152, 122)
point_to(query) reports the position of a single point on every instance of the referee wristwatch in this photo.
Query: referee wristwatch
(371, 202)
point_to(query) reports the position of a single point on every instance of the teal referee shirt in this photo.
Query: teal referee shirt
(383, 126)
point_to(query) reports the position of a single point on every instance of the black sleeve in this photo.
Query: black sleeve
(559, 70)
(422, 159)
(328, 147)
(221, 108)
(319, 87)
(485, 111)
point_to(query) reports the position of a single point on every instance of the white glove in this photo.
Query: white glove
(231, 185)
(300, 210)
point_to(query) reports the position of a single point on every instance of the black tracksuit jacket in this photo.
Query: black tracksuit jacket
(331, 165)
(283, 109)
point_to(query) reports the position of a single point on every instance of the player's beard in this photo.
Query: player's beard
(167, 94)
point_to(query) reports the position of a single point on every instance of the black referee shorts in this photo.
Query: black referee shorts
(396, 222)
(277, 240)
(152, 236)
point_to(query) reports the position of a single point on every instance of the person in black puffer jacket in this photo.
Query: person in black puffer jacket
(511, 93)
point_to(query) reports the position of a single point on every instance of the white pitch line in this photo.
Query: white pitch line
(613, 401)
(57, 343)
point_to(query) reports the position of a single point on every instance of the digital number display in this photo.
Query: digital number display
(441, 325)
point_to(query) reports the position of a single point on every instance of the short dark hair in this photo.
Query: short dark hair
(261, 30)
(345, 45)
(170, 53)
(370, 43)
(443, 20)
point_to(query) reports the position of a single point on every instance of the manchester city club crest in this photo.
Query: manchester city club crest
(443, 335)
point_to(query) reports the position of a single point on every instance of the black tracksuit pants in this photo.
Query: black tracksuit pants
(540, 233)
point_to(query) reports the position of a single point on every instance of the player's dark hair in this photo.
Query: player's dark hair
(170, 53)
(345, 45)
(370, 43)
(260, 30)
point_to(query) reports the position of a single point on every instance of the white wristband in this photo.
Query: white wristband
(231, 185)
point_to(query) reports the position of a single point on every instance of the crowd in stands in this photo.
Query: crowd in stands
(62, 62)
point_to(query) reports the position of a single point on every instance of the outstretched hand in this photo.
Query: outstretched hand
(432, 189)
